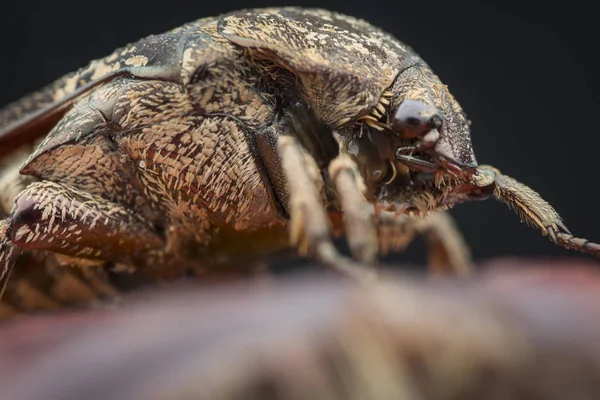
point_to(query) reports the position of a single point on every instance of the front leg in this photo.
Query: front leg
(447, 250)
(536, 212)
(358, 213)
(64, 220)
(310, 229)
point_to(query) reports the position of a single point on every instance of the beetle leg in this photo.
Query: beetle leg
(536, 212)
(43, 280)
(61, 219)
(310, 228)
(8, 255)
(358, 215)
(447, 250)
(39, 283)
(574, 243)
(11, 184)
(66, 220)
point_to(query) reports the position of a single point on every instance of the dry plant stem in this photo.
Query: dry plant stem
(358, 216)
(310, 229)
(447, 249)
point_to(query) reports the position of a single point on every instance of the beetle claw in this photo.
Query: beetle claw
(562, 226)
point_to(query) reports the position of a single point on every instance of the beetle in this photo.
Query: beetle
(237, 135)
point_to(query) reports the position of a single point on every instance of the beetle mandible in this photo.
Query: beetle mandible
(211, 141)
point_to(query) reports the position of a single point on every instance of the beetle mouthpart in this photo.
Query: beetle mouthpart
(475, 183)
(430, 161)
(406, 157)
(394, 173)
(451, 167)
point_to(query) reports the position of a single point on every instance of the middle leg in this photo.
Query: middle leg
(447, 249)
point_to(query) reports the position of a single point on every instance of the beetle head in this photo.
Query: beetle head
(414, 149)
(423, 112)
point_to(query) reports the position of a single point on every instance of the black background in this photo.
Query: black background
(525, 72)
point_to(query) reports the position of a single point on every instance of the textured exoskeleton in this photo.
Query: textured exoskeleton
(208, 143)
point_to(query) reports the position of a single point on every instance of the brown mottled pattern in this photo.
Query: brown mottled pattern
(80, 121)
(199, 170)
(134, 55)
(220, 79)
(44, 281)
(93, 166)
(344, 64)
(143, 103)
(94, 154)
(321, 59)
(59, 90)
(78, 223)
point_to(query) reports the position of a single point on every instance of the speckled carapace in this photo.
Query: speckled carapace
(229, 138)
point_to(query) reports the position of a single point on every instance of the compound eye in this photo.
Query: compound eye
(414, 119)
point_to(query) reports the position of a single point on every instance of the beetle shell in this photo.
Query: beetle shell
(343, 64)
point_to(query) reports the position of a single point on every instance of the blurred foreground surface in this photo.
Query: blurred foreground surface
(518, 330)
